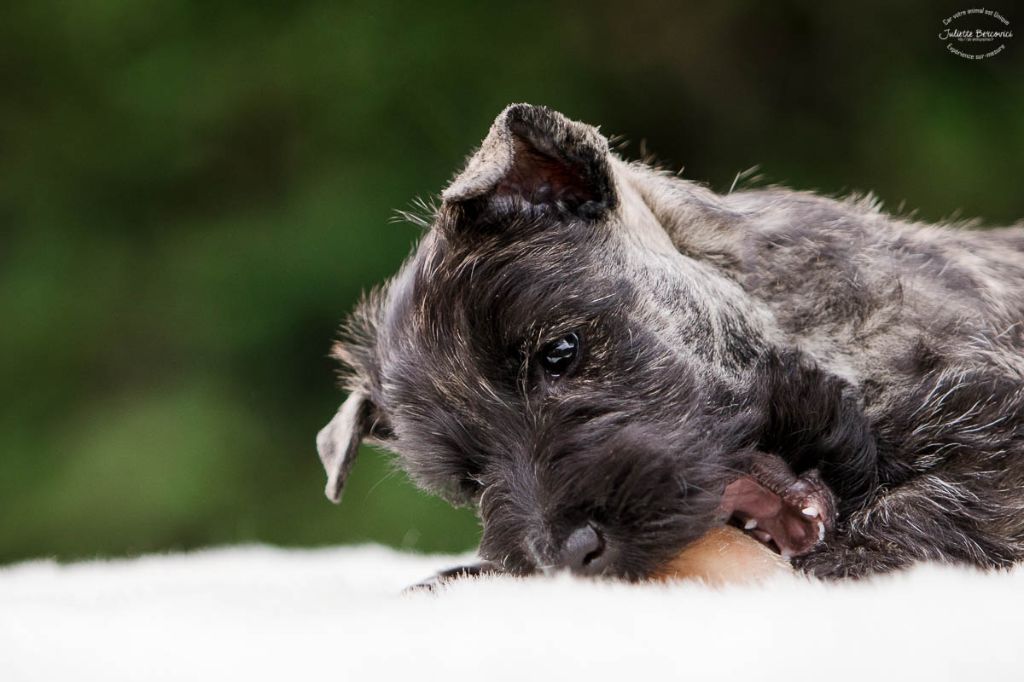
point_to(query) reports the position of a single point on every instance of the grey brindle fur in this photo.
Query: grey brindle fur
(885, 356)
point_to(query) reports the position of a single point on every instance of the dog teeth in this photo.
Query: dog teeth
(763, 536)
(821, 532)
(751, 524)
(809, 511)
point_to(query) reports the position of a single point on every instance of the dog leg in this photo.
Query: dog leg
(457, 573)
(934, 517)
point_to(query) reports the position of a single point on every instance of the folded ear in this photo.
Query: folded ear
(338, 442)
(539, 158)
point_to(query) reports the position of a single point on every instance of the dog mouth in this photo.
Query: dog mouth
(789, 514)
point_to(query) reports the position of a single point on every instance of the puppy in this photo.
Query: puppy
(607, 362)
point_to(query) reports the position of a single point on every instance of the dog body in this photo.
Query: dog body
(608, 361)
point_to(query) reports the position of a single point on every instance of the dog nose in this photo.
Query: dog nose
(584, 551)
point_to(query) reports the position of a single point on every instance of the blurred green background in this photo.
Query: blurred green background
(193, 194)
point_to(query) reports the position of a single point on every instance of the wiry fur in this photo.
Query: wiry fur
(887, 354)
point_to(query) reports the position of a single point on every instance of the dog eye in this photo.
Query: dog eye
(559, 357)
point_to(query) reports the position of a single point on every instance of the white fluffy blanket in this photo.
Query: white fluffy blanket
(258, 613)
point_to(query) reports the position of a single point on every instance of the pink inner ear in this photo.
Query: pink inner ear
(541, 179)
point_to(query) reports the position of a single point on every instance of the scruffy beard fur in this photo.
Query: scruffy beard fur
(883, 355)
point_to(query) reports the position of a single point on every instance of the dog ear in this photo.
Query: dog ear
(537, 158)
(338, 442)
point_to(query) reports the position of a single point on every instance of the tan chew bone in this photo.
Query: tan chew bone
(726, 555)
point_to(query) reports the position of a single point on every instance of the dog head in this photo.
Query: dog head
(550, 356)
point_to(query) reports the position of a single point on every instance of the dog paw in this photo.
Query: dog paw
(447, 576)
(834, 561)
